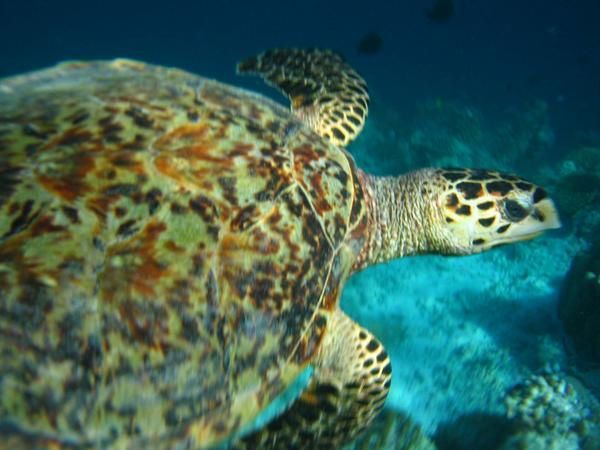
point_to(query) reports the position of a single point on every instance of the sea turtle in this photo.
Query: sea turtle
(173, 249)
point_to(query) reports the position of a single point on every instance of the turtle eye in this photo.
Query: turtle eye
(514, 211)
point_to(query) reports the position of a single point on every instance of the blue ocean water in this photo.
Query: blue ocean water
(507, 84)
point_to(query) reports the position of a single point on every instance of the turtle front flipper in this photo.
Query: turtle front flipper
(351, 379)
(325, 92)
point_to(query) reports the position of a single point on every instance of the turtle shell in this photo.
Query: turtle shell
(169, 249)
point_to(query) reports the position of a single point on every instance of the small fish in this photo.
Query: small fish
(441, 11)
(370, 43)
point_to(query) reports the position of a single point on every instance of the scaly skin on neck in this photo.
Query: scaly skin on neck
(404, 217)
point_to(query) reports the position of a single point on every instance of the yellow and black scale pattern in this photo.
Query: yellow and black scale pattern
(324, 91)
(477, 192)
(169, 249)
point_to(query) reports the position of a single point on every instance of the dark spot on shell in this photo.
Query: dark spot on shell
(31, 149)
(524, 186)
(453, 176)
(192, 116)
(382, 356)
(189, 327)
(120, 211)
(485, 205)
(463, 210)
(337, 133)
(451, 200)
(306, 410)
(98, 244)
(228, 185)
(244, 218)
(139, 117)
(153, 197)
(9, 179)
(503, 228)
(33, 131)
(22, 220)
(348, 128)
(478, 241)
(372, 345)
(487, 221)
(80, 117)
(91, 358)
(469, 190)
(122, 189)
(71, 214)
(326, 390)
(480, 175)
(320, 321)
(171, 417)
(176, 208)
(358, 110)
(328, 407)
(74, 137)
(353, 120)
(353, 385)
(539, 195)
(110, 129)
(127, 228)
(499, 187)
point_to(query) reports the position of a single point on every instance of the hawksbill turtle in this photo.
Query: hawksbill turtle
(173, 249)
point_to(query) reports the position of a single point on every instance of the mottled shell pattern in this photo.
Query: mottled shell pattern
(168, 248)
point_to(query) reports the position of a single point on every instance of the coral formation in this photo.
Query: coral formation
(577, 190)
(546, 404)
(579, 304)
(550, 413)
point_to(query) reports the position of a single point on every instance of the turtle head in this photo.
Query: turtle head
(482, 209)
(451, 212)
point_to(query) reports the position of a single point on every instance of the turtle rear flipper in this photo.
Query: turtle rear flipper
(325, 92)
(349, 386)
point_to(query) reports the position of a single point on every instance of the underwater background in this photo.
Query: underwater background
(511, 85)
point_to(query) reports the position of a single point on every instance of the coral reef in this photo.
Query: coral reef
(550, 411)
(579, 185)
(546, 404)
(549, 414)
(578, 192)
(579, 304)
